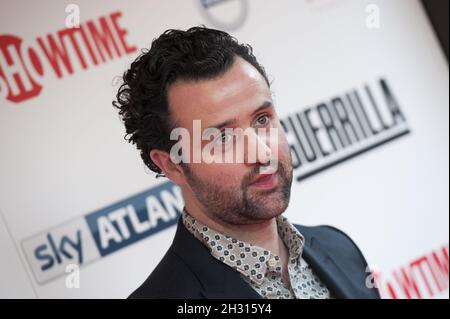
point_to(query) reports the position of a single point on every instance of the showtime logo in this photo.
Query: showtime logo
(25, 66)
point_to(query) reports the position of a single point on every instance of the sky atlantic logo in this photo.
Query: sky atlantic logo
(24, 66)
(85, 239)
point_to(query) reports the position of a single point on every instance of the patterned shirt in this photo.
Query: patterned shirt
(259, 267)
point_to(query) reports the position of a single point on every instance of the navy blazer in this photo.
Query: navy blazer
(189, 271)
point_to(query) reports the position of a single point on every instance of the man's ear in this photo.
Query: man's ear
(171, 170)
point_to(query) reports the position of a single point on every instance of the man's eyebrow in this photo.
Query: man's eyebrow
(265, 105)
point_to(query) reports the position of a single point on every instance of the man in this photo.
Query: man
(232, 240)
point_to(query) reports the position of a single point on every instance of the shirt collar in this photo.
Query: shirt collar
(250, 260)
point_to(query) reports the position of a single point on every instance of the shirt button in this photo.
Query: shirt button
(272, 262)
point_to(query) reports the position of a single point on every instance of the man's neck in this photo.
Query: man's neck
(263, 234)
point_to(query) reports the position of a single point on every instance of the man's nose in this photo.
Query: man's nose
(257, 150)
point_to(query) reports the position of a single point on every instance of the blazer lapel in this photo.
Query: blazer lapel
(327, 270)
(233, 287)
(217, 279)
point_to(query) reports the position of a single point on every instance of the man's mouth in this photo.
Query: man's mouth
(265, 181)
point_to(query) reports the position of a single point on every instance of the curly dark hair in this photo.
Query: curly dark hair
(199, 53)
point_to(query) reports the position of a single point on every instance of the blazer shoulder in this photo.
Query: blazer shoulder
(345, 254)
(348, 239)
(171, 279)
(338, 243)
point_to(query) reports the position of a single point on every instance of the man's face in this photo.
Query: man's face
(225, 191)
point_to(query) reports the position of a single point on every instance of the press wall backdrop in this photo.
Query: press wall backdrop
(362, 91)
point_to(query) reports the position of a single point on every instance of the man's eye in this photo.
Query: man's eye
(224, 138)
(263, 120)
